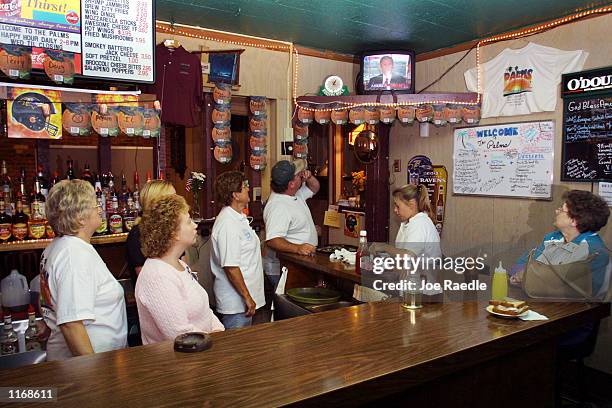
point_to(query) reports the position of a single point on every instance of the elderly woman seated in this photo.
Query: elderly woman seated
(578, 220)
(170, 300)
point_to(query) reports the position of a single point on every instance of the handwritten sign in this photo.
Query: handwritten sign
(587, 139)
(512, 160)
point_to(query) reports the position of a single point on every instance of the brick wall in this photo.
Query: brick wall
(20, 153)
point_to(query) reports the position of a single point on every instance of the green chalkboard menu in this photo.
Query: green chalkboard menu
(587, 129)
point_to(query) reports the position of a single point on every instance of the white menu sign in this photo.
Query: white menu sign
(118, 39)
(512, 160)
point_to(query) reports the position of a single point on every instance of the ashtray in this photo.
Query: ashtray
(192, 342)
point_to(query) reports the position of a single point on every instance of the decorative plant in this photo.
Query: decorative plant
(195, 184)
(359, 180)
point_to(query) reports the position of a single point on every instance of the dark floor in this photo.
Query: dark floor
(597, 392)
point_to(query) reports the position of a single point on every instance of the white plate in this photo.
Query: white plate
(490, 310)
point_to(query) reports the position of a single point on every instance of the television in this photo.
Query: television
(224, 67)
(386, 70)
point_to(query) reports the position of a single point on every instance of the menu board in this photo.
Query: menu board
(112, 39)
(587, 139)
(511, 160)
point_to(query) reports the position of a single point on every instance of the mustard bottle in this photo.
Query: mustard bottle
(500, 283)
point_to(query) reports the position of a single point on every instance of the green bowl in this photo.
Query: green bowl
(313, 296)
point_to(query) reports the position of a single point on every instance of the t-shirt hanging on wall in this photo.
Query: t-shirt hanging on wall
(178, 85)
(524, 81)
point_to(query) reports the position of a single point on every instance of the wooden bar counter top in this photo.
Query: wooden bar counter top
(377, 352)
(304, 270)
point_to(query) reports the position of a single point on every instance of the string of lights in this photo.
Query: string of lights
(342, 105)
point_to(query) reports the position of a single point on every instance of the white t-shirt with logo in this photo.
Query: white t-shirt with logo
(523, 81)
(235, 243)
(288, 217)
(77, 285)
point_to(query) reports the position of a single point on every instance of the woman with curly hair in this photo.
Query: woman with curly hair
(577, 221)
(170, 300)
(152, 190)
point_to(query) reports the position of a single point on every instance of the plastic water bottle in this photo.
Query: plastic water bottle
(363, 257)
(15, 292)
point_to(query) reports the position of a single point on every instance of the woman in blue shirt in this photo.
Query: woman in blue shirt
(578, 220)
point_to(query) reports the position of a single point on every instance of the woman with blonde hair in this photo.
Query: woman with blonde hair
(82, 302)
(417, 234)
(170, 300)
(151, 191)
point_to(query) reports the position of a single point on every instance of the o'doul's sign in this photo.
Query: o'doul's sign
(576, 84)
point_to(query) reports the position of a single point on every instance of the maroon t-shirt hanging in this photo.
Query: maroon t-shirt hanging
(178, 85)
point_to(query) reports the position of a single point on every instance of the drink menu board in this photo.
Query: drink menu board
(112, 39)
(587, 139)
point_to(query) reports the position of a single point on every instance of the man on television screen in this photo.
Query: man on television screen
(387, 79)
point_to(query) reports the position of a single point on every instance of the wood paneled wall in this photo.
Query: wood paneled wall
(503, 228)
(267, 73)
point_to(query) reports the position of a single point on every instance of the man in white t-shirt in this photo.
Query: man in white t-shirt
(289, 224)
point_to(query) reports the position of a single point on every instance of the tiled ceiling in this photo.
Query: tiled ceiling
(350, 26)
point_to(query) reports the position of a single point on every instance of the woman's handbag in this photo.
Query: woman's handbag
(568, 281)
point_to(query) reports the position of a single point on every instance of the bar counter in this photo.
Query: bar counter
(452, 354)
(304, 270)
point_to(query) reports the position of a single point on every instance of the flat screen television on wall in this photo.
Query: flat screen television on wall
(386, 70)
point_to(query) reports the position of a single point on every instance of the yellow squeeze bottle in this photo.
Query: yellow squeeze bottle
(500, 283)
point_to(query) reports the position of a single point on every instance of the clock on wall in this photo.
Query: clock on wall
(333, 86)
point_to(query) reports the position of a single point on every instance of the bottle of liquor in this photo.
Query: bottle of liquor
(44, 183)
(98, 187)
(148, 176)
(136, 195)
(87, 176)
(103, 228)
(130, 215)
(6, 222)
(20, 223)
(363, 260)
(70, 174)
(115, 220)
(110, 190)
(124, 189)
(22, 193)
(49, 230)
(38, 197)
(9, 337)
(55, 179)
(37, 224)
(7, 190)
(440, 205)
(31, 334)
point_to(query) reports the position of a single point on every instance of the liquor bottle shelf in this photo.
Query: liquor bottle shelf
(42, 243)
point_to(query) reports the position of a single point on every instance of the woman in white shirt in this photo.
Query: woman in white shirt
(82, 302)
(417, 234)
(236, 255)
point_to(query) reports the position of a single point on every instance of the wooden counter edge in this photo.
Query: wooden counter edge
(42, 243)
